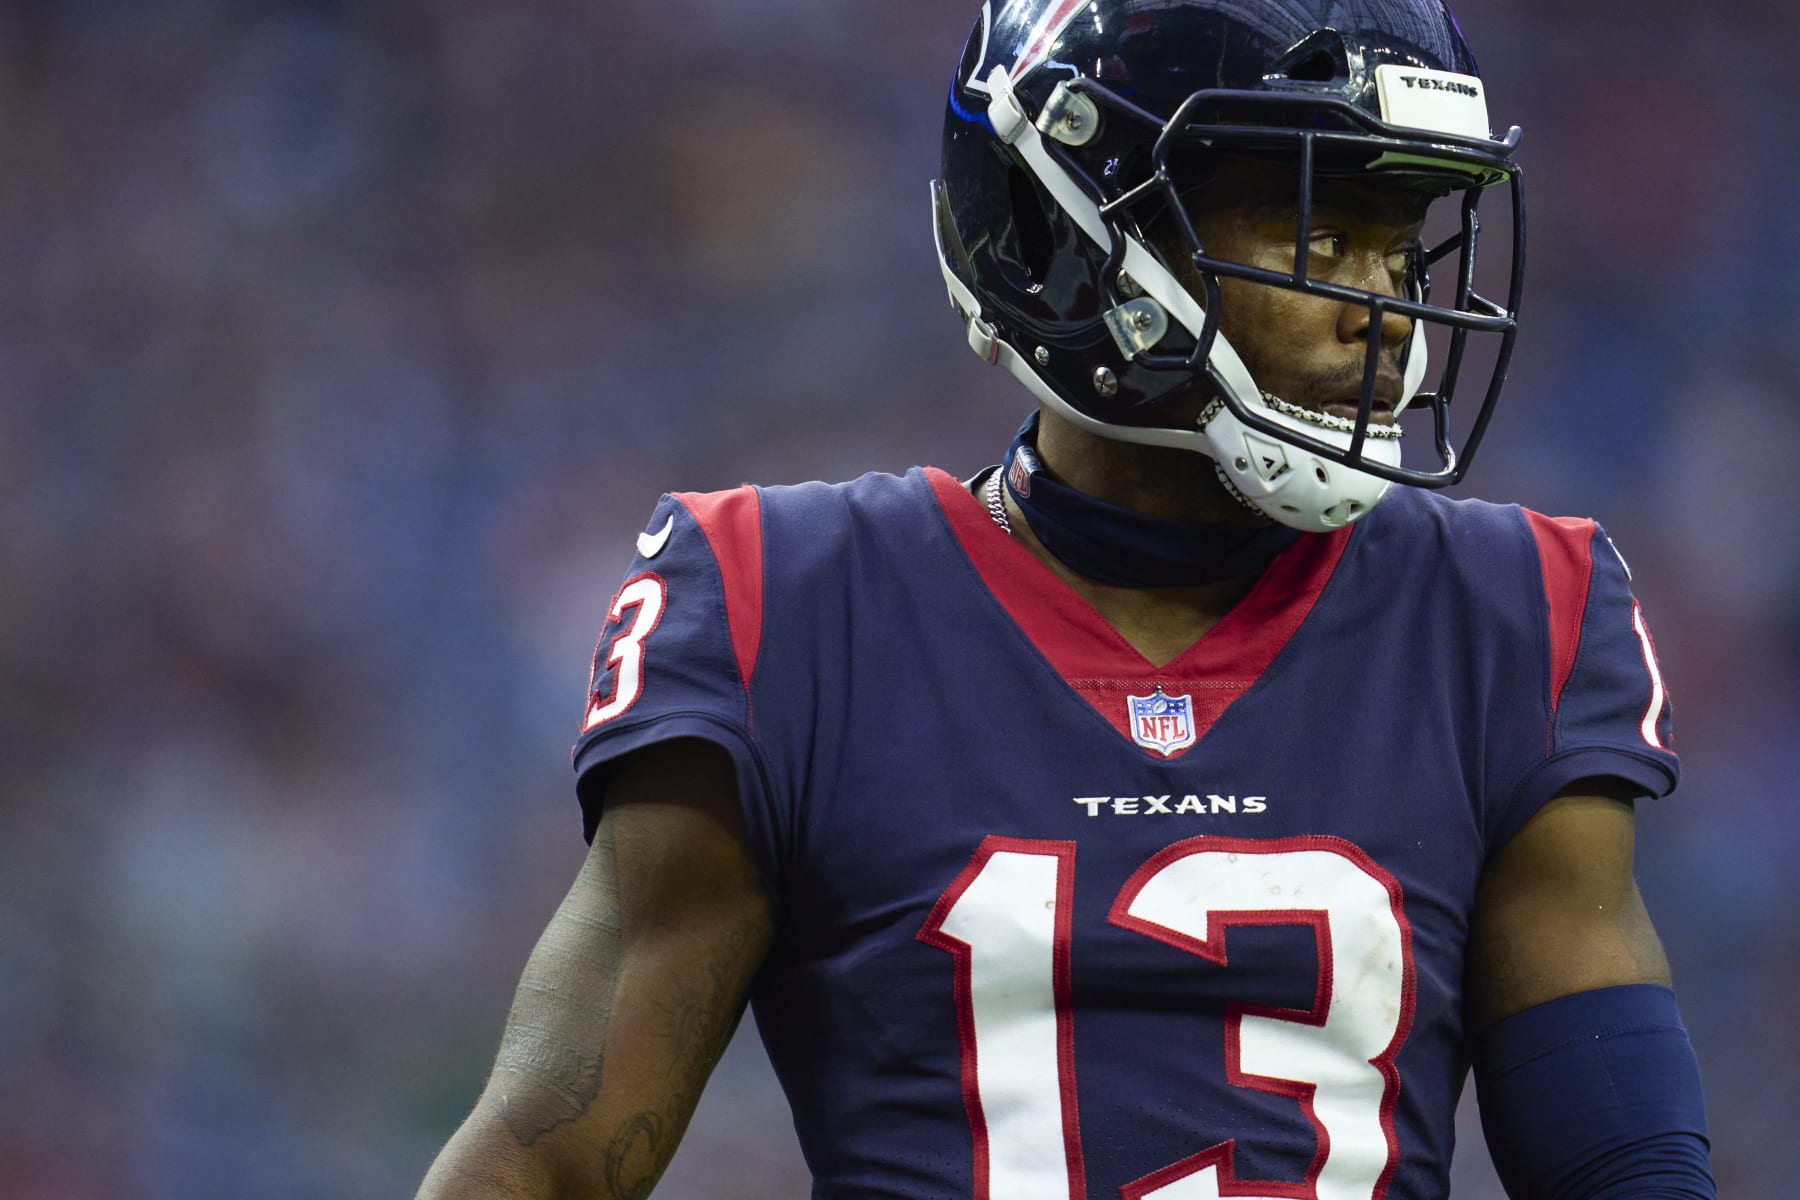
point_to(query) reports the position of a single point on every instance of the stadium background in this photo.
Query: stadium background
(346, 346)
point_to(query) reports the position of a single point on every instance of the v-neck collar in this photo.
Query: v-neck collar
(1099, 664)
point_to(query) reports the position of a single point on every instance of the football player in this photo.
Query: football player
(1179, 809)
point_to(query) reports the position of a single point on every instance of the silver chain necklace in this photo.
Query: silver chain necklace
(996, 506)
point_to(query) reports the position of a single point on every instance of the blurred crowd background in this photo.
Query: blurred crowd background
(346, 345)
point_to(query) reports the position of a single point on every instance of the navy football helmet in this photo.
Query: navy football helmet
(1068, 128)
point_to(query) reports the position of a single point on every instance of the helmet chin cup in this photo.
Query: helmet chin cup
(1288, 484)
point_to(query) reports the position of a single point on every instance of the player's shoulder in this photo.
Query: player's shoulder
(813, 498)
(875, 494)
(1480, 549)
(1468, 531)
(1430, 518)
(798, 524)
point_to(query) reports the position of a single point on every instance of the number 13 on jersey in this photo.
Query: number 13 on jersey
(1006, 920)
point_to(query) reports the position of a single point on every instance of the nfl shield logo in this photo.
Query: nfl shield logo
(1162, 723)
(1018, 474)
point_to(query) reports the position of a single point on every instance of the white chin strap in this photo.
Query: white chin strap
(1279, 479)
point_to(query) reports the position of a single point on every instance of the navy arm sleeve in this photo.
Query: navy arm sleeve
(1595, 1096)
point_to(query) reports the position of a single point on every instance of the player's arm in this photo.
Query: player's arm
(629, 998)
(1559, 910)
(1588, 1084)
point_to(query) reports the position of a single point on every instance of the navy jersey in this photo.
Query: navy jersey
(1058, 922)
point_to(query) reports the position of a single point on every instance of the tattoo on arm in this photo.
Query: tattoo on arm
(698, 1022)
(697, 953)
(548, 1070)
(696, 1027)
(637, 1155)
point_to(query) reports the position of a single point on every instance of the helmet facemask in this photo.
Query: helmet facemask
(1164, 338)
(1317, 152)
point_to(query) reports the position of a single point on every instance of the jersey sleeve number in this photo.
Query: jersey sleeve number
(647, 595)
(1006, 922)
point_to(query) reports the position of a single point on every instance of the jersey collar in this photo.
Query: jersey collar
(1100, 665)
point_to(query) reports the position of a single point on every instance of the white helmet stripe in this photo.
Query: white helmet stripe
(974, 82)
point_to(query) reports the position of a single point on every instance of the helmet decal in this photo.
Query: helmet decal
(1442, 101)
(1042, 39)
(975, 82)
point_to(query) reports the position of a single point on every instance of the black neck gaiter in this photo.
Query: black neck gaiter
(1124, 548)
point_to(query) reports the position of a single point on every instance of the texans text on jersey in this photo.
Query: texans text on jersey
(1144, 806)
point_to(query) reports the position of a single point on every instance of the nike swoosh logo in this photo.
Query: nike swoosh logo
(651, 544)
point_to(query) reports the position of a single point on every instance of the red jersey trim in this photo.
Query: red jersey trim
(1099, 664)
(732, 523)
(1565, 547)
